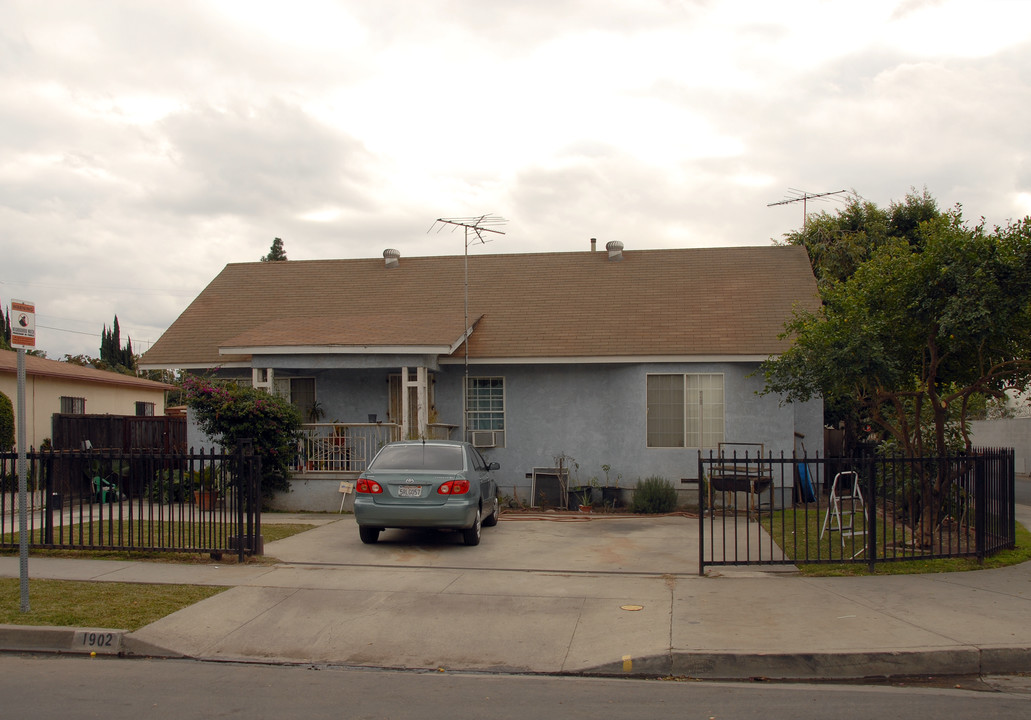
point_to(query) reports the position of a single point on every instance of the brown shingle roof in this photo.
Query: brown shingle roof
(41, 367)
(685, 302)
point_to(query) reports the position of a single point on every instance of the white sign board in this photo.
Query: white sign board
(23, 324)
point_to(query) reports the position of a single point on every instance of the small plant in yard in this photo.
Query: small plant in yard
(654, 495)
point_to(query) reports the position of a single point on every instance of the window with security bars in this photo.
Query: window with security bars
(73, 405)
(485, 403)
(144, 409)
(685, 410)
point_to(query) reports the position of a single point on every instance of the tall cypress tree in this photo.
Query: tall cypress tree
(5, 330)
(113, 353)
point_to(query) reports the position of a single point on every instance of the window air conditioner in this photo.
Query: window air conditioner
(483, 438)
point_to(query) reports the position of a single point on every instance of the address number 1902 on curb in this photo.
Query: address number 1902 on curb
(98, 641)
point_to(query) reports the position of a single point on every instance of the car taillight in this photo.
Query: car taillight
(454, 487)
(369, 486)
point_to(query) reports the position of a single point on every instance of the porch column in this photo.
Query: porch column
(263, 379)
(417, 426)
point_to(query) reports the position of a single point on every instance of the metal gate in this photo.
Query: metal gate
(758, 510)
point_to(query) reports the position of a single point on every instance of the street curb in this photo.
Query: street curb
(78, 641)
(847, 665)
(59, 639)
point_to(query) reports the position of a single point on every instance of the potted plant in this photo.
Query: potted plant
(316, 412)
(611, 495)
(207, 492)
(585, 498)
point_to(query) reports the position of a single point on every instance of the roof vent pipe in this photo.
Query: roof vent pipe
(594, 244)
(392, 257)
(615, 249)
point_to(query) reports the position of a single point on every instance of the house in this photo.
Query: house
(53, 387)
(628, 359)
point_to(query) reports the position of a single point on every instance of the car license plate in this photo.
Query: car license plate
(409, 491)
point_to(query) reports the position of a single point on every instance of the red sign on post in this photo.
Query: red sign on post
(23, 323)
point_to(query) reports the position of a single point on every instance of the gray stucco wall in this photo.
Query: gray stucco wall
(597, 415)
(592, 413)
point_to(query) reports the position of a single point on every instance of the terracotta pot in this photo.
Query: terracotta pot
(205, 499)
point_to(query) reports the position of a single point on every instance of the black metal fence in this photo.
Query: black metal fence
(204, 502)
(798, 510)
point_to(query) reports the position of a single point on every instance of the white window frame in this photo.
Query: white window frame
(496, 417)
(696, 411)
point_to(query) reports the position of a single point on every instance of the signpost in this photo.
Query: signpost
(23, 335)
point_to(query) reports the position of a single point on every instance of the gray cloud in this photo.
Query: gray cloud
(145, 145)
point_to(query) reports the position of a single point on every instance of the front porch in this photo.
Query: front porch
(331, 455)
(346, 448)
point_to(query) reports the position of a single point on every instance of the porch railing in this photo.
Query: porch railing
(348, 447)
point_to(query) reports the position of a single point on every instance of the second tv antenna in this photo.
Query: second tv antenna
(804, 197)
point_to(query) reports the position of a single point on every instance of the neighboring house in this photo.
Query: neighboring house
(53, 387)
(630, 359)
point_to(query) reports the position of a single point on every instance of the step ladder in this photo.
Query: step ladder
(845, 506)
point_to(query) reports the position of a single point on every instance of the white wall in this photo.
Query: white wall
(43, 399)
(1008, 433)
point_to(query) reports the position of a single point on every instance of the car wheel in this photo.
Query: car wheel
(369, 535)
(472, 535)
(492, 519)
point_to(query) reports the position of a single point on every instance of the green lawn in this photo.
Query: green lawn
(96, 604)
(793, 527)
(126, 606)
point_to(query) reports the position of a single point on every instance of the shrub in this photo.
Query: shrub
(176, 485)
(6, 423)
(228, 413)
(654, 495)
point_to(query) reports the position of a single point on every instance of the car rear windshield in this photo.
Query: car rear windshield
(419, 457)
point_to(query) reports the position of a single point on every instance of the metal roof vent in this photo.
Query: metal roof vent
(392, 257)
(615, 249)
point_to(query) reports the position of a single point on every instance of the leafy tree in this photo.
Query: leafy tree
(919, 331)
(85, 361)
(229, 413)
(6, 423)
(275, 253)
(839, 244)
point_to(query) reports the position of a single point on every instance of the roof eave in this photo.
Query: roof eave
(337, 350)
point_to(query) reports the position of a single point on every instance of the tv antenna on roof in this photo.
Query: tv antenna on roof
(477, 226)
(803, 197)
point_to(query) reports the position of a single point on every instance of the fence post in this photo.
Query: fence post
(44, 467)
(980, 503)
(244, 490)
(871, 515)
(702, 494)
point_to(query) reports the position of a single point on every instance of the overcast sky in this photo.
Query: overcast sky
(144, 145)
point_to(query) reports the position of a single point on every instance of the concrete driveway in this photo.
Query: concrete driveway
(521, 541)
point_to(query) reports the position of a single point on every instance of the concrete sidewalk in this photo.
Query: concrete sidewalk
(617, 596)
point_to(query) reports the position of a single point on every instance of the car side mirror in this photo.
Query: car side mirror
(494, 466)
